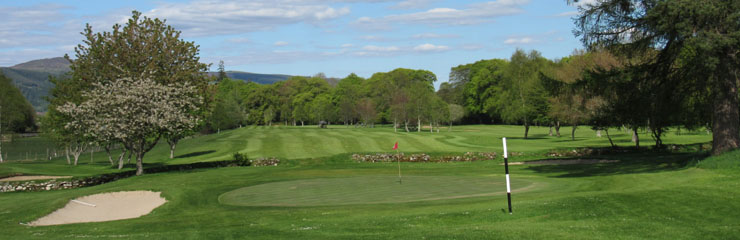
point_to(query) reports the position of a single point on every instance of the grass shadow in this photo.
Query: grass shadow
(629, 163)
(195, 154)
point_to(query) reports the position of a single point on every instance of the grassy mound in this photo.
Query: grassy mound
(729, 160)
(366, 190)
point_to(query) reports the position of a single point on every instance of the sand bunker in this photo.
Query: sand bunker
(564, 161)
(104, 207)
(29, 178)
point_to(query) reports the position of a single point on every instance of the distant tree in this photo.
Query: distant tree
(322, 108)
(696, 61)
(53, 123)
(437, 111)
(456, 113)
(523, 92)
(347, 93)
(366, 109)
(221, 71)
(481, 83)
(269, 115)
(135, 112)
(17, 113)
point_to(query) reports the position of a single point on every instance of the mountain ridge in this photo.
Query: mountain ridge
(32, 78)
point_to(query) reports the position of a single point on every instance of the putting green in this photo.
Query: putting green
(367, 190)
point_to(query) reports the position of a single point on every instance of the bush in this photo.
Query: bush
(240, 157)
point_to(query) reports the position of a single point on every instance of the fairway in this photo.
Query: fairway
(366, 190)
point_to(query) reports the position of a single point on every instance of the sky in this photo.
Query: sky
(306, 37)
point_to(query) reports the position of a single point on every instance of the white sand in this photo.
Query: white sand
(107, 207)
(564, 162)
(29, 178)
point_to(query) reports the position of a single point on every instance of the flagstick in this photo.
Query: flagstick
(508, 185)
(399, 167)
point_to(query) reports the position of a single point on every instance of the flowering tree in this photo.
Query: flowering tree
(136, 113)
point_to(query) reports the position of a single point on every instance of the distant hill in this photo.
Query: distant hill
(255, 77)
(32, 78)
(55, 65)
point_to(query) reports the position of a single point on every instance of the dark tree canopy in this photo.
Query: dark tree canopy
(695, 46)
(16, 113)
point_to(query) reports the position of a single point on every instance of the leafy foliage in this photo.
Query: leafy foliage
(16, 113)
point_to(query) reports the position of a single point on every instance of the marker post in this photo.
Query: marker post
(508, 183)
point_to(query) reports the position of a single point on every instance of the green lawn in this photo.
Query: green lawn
(661, 195)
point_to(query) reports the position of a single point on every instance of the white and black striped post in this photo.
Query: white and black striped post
(508, 183)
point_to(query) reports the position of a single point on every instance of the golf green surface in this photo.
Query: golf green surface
(367, 190)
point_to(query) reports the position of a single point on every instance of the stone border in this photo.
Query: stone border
(110, 177)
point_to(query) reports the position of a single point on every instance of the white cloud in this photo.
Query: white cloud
(374, 48)
(413, 4)
(239, 40)
(472, 14)
(280, 43)
(434, 35)
(585, 3)
(347, 45)
(373, 38)
(427, 47)
(207, 17)
(566, 14)
(546, 37)
(519, 41)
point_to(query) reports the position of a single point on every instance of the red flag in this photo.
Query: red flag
(395, 146)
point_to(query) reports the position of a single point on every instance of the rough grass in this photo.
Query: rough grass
(655, 195)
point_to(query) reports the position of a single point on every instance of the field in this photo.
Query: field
(319, 192)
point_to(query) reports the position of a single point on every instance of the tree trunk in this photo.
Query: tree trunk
(573, 132)
(609, 137)
(76, 156)
(657, 133)
(526, 129)
(598, 133)
(635, 137)
(406, 125)
(395, 125)
(120, 158)
(66, 152)
(139, 164)
(725, 117)
(173, 144)
(418, 124)
(107, 151)
(550, 134)
(450, 129)
(557, 128)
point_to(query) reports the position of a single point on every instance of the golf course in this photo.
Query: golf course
(319, 192)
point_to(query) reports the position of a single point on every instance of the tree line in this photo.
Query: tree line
(402, 97)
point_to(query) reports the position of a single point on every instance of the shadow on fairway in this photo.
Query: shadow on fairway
(195, 154)
(649, 162)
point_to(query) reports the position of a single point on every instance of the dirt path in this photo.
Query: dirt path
(104, 207)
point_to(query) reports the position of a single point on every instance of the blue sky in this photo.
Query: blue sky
(305, 37)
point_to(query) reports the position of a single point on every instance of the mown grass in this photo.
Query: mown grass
(651, 194)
